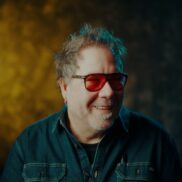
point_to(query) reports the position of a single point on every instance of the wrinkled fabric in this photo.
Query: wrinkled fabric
(135, 148)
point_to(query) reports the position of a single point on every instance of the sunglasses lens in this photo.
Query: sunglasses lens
(116, 84)
(94, 82)
(117, 81)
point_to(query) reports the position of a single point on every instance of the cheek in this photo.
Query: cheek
(79, 97)
(73, 97)
(119, 97)
(118, 100)
(91, 98)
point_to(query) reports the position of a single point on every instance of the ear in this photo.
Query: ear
(63, 88)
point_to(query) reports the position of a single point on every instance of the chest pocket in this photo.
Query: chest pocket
(43, 172)
(133, 172)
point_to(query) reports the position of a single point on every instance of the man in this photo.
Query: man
(93, 138)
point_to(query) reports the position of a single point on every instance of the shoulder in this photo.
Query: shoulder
(140, 124)
(137, 118)
(40, 129)
(150, 132)
(45, 123)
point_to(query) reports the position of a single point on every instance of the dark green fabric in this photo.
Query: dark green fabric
(135, 148)
(90, 149)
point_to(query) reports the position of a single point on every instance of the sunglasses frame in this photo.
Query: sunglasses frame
(107, 77)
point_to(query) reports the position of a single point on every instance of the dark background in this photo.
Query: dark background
(31, 31)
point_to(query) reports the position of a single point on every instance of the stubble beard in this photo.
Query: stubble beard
(104, 121)
(104, 117)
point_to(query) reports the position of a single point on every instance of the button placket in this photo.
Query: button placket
(43, 175)
(96, 174)
(86, 175)
(138, 171)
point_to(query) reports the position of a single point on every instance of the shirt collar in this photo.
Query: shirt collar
(124, 116)
(60, 119)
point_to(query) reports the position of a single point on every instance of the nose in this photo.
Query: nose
(106, 91)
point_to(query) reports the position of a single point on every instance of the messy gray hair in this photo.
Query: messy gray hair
(65, 59)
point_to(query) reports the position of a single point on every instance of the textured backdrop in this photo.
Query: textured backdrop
(31, 31)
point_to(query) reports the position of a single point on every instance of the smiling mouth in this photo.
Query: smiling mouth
(103, 107)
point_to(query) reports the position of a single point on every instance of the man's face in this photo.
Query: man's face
(93, 110)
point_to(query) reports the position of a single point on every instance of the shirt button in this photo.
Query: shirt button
(138, 172)
(96, 174)
(86, 173)
(151, 169)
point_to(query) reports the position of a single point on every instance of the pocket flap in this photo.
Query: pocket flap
(139, 171)
(40, 171)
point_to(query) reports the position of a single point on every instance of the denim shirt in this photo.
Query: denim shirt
(135, 148)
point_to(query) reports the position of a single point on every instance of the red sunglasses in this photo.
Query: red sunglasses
(95, 82)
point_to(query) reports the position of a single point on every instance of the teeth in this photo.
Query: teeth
(102, 107)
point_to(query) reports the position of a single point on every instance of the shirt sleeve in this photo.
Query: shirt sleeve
(171, 169)
(13, 168)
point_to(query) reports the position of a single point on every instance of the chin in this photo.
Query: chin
(103, 125)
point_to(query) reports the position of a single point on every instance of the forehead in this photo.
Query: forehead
(96, 59)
